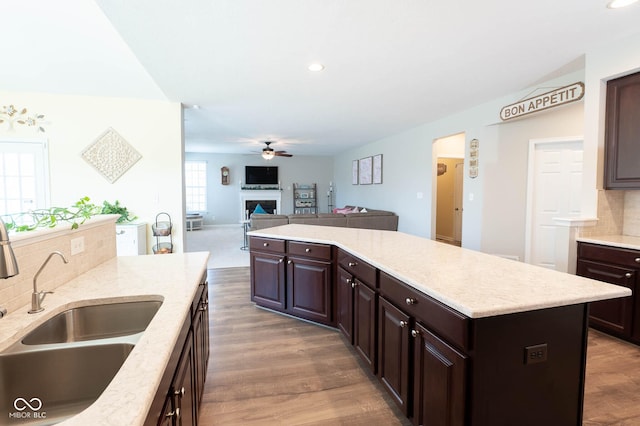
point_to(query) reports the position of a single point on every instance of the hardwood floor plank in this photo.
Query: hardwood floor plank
(270, 369)
(266, 368)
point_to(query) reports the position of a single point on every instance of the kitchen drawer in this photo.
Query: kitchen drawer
(270, 245)
(359, 268)
(607, 254)
(316, 251)
(451, 325)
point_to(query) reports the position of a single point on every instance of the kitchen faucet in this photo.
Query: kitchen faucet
(38, 296)
(8, 264)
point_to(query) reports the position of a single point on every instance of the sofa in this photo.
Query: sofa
(369, 219)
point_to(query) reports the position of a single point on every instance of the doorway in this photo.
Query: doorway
(448, 176)
(554, 190)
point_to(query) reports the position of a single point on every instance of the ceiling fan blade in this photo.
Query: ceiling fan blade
(282, 154)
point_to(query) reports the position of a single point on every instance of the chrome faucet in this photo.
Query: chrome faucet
(38, 296)
(8, 263)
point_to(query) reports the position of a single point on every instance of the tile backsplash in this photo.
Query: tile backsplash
(631, 221)
(32, 250)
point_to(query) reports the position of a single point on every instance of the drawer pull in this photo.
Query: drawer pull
(410, 301)
(352, 264)
(307, 250)
(637, 259)
(348, 280)
(415, 333)
(179, 392)
(265, 244)
(280, 260)
(289, 262)
(628, 275)
(403, 324)
(354, 284)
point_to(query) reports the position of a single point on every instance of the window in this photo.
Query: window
(195, 173)
(23, 176)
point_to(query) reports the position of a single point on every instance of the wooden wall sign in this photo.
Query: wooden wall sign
(555, 98)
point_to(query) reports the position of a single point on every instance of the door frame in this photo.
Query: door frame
(533, 145)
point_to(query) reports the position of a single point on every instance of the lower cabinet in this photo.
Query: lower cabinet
(619, 317)
(394, 354)
(439, 375)
(178, 397)
(295, 278)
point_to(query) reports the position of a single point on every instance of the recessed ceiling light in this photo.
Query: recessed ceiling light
(617, 4)
(316, 67)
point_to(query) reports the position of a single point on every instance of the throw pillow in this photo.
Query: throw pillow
(364, 210)
(260, 210)
(343, 210)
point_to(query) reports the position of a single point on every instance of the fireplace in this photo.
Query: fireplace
(268, 199)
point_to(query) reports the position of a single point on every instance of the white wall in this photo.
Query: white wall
(224, 200)
(153, 128)
(492, 220)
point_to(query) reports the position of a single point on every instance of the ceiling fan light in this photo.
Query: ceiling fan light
(268, 154)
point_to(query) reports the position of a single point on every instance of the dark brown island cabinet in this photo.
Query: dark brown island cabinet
(620, 266)
(441, 367)
(622, 130)
(179, 394)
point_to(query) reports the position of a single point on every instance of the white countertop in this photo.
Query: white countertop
(172, 278)
(473, 283)
(621, 241)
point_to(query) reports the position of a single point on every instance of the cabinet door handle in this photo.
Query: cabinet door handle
(289, 262)
(265, 244)
(280, 260)
(307, 250)
(180, 392)
(628, 275)
(403, 324)
(352, 264)
(415, 333)
(637, 259)
(175, 413)
(410, 301)
(354, 284)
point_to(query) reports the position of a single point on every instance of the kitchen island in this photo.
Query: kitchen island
(173, 279)
(455, 336)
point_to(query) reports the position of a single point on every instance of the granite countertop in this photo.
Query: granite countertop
(621, 241)
(172, 278)
(473, 283)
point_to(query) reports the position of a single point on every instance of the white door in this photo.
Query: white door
(555, 189)
(457, 204)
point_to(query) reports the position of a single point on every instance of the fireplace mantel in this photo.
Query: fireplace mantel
(259, 194)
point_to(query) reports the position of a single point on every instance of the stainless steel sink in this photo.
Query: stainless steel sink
(94, 322)
(44, 387)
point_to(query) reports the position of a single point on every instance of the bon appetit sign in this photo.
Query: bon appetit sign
(557, 97)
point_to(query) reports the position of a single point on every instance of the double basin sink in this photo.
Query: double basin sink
(61, 367)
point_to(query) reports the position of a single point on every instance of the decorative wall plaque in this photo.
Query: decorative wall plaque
(111, 155)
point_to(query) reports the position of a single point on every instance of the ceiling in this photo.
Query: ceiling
(389, 65)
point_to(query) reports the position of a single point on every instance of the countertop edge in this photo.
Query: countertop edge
(597, 290)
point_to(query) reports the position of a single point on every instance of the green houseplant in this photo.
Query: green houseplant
(116, 208)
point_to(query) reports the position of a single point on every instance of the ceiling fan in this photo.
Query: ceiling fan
(268, 153)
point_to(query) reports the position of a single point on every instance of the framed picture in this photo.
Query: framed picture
(354, 172)
(377, 168)
(365, 171)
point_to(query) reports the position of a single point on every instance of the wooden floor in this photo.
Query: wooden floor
(269, 369)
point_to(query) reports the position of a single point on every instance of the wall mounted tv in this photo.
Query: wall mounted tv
(260, 175)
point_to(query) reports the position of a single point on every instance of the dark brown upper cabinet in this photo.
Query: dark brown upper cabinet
(622, 133)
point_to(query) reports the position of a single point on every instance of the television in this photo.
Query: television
(260, 175)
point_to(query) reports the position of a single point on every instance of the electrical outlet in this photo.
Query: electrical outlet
(77, 246)
(535, 354)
